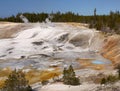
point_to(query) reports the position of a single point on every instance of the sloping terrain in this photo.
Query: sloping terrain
(44, 49)
(40, 43)
(111, 49)
(8, 29)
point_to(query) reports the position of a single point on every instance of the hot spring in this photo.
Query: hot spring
(51, 43)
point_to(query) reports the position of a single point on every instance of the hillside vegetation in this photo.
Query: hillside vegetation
(106, 23)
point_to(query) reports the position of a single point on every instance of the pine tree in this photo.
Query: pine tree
(103, 81)
(16, 82)
(95, 16)
(69, 76)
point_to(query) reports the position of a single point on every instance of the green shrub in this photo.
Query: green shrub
(109, 79)
(45, 82)
(16, 82)
(69, 76)
(118, 70)
(103, 81)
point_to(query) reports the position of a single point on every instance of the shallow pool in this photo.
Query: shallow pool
(101, 62)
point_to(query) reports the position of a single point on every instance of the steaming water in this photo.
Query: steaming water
(50, 43)
(24, 19)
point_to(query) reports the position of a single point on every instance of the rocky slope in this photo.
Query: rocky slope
(111, 49)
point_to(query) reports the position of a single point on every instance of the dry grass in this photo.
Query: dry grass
(37, 76)
(2, 83)
(5, 72)
(33, 76)
(78, 24)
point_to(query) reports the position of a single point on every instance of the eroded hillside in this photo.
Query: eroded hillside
(111, 49)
